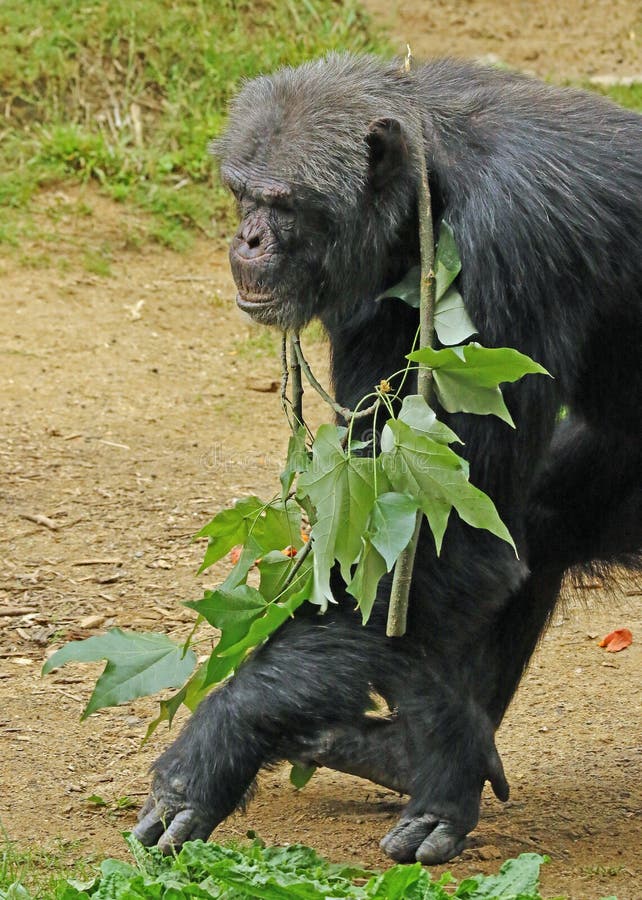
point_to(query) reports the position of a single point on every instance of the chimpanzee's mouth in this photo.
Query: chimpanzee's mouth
(250, 302)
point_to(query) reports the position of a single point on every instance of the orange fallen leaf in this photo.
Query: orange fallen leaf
(235, 554)
(617, 640)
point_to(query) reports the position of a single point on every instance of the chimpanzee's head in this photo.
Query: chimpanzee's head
(320, 163)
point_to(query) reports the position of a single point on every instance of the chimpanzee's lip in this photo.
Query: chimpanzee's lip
(249, 302)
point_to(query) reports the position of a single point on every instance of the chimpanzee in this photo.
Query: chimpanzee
(542, 187)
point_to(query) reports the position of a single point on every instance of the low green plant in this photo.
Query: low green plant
(281, 873)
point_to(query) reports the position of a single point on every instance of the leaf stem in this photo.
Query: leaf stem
(298, 562)
(402, 578)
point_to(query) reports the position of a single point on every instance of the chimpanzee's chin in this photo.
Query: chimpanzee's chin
(270, 310)
(263, 308)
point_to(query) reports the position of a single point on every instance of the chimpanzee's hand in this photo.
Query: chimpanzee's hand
(169, 818)
(446, 796)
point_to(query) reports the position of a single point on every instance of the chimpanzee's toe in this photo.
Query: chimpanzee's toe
(402, 841)
(443, 842)
(424, 838)
(187, 825)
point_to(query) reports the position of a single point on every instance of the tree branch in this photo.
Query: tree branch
(402, 578)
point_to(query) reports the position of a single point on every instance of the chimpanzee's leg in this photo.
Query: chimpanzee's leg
(381, 750)
(588, 506)
(378, 749)
(587, 509)
(314, 674)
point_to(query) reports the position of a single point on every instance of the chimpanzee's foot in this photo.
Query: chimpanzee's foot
(169, 818)
(450, 772)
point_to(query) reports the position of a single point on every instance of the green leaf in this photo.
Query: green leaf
(17, 891)
(438, 479)
(231, 611)
(408, 289)
(398, 883)
(250, 552)
(190, 695)
(416, 413)
(415, 464)
(447, 262)
(300, 775)
(517, 877)
(489, 366)
(274, 616)
(452, 322)
(272, 525)
(137, 665)
(298, 460)
(392, 524)
(229, 528)
(369, 571)
(246, 617)
(207, 870)
(275, 569)
(447, 267)
(341, 488)
(467, 378)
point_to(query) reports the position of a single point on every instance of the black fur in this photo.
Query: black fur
(543, 189)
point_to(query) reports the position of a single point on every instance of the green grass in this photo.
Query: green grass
(127, 95)
(626, 95)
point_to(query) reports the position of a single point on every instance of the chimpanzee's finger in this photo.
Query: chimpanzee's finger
(408, 834)
(187, 825)
(152, 823)
(147, 807)
(443, 842)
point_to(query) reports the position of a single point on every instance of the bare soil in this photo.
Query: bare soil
(571, 39)
(136, 404)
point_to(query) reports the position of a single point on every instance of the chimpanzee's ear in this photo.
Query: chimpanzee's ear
(388, 151)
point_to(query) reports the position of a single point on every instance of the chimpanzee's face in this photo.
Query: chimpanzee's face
(321, 214)
(278, 253)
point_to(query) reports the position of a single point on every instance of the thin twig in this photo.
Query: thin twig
(285, 374)
(297, 384)
(342, 411)
(402, 578)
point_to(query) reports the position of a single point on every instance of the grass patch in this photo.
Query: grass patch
(96, 262)
(629, 95)
(127, 95)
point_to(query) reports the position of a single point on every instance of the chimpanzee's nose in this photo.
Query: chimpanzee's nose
(250, 242)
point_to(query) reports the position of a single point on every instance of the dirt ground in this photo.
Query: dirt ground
(570, 39)
(137, 403)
